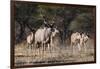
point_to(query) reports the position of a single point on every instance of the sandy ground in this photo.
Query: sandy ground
(57, 54)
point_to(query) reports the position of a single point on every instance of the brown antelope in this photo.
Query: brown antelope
(79, 39)
(42, 36)
(75, 40)
(54, 35)
(83, 40)
(30, 39)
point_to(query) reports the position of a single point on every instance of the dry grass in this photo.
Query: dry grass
(58, 54)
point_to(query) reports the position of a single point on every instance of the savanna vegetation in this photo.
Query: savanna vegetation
(29, 17)
(68, 19)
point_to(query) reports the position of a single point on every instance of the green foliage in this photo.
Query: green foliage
(66, 18)
(83, 22)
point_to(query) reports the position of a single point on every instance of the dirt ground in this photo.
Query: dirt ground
(58, 54)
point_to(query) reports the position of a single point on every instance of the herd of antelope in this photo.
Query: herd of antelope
(43, 38)
(79, 40)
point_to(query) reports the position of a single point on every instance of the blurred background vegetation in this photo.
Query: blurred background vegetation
(67, 18)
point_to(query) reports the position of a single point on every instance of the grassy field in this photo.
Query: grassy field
(57, 54)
